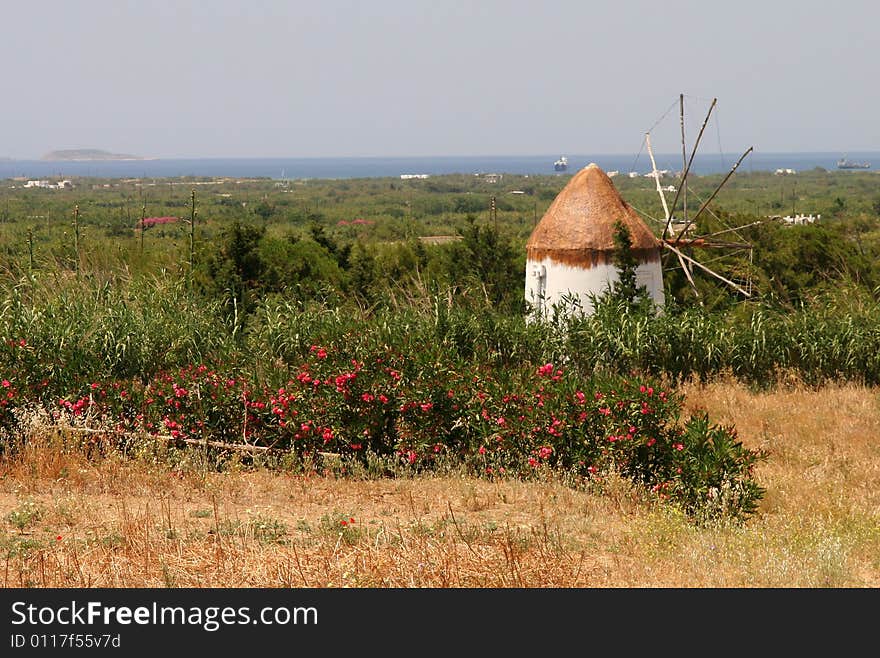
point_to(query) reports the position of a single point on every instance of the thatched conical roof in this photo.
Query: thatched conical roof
(579, 226)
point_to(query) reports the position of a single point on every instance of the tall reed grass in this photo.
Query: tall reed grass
(77, 330)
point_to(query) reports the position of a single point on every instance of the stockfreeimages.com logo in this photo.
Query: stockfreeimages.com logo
(210, 618)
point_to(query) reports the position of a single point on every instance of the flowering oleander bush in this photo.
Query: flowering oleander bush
(511, 422)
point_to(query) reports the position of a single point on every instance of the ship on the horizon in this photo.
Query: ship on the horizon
(561, 164)
(843, 163)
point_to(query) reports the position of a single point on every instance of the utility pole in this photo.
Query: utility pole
(192, 237)
(493, 212)
(30, 241)
(143, 224)
(76, 239)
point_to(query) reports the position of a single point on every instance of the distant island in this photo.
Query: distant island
(89, 154)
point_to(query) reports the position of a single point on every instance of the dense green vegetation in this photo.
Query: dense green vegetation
(370, 241)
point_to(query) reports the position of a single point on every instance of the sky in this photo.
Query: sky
(329, 78)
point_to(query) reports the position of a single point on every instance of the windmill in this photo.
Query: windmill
(572, 254)
(679, 232)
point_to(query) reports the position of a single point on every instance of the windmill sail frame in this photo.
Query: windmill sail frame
(674, 245)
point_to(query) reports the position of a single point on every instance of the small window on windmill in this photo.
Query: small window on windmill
(540, 273)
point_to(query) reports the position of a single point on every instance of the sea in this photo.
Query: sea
(383, 167)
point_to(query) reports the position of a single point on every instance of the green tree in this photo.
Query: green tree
(485, 260)
(626, 289)
(231, 267)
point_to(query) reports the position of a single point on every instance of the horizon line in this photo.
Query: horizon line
(405, 157)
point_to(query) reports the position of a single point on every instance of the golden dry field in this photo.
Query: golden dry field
(67, 520)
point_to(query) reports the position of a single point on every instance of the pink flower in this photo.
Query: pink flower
(545, 452)
(5, 383)
(678, 446)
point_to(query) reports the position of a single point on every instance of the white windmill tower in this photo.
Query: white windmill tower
(570, 255)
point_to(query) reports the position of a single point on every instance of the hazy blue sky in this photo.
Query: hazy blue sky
(238, 78)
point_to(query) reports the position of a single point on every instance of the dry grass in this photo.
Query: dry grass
(70, 519)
